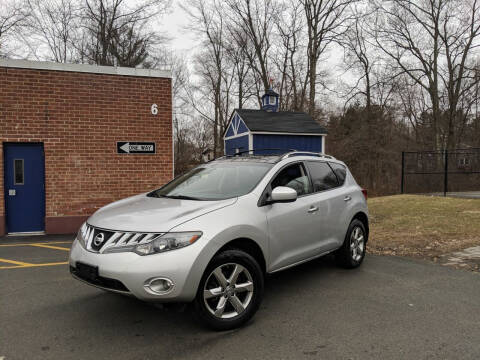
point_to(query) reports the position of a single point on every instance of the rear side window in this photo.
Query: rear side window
(323, 177)
(340, 171)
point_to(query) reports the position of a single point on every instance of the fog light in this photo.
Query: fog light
(159, 285)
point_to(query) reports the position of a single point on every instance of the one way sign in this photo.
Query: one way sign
(124, 147)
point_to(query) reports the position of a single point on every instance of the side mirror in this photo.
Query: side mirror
(283, 194)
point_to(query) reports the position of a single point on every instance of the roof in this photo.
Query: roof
(270, 92)
(282, 121)
(85, 68)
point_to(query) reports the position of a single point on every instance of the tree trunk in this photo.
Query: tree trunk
(313, 79)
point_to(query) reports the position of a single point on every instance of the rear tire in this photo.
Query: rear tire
(230, 291)
(354, 247)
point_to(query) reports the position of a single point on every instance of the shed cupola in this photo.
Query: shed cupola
(270, 100)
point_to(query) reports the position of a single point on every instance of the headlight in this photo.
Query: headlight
(167, 242)
(81, 235)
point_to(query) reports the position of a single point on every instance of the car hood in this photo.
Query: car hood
(142, 213)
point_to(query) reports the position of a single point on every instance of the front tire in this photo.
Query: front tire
(354, 247)
(230, 291)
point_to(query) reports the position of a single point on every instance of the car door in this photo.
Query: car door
(290, 225)
(330, 198)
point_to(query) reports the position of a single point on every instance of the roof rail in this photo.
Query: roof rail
(308, 153)
(262, 149)
(288, 153)
(252, 152)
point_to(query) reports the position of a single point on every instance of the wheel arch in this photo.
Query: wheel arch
(361, 216)
(250, 247)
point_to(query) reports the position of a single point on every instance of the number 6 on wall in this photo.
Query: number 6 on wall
(154, 109)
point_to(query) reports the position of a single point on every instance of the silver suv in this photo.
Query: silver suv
(209, 236)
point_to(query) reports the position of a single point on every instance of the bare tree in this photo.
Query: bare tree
(358, 58)
(207, 21)
(253, 20)
(432, 42)
(460, 37)
(53, 27)
(192, 134)
(12, 19)
(236, 47)
(131, 47)
(290, 60)
(326, 21)
(118, 33)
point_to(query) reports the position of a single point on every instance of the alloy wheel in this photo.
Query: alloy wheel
(228, 290)
(357, 243)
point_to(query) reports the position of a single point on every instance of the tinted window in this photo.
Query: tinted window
(340, 171)
(295, 177)
(216, 181)
(323, 177)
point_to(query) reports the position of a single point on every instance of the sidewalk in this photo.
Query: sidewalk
(35, 238)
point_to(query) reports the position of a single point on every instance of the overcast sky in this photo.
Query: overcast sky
(184, 42)
(173, 24)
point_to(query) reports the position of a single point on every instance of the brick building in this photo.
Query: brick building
(76, 137)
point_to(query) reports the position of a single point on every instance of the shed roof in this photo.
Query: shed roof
(282, 121)
(270, 92)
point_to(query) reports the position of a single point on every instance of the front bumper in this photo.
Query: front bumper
(128, 272)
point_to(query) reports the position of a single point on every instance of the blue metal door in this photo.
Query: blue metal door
(24, 183)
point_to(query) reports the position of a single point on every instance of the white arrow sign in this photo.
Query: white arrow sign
(125, 147)
(134, 147)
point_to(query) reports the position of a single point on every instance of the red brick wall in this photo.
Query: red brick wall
(79, 117)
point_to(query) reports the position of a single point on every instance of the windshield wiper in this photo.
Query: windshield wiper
(181, 197)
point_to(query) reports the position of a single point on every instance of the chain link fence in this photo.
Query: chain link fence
(441, 172)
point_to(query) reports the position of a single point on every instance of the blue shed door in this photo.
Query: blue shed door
(24, 183)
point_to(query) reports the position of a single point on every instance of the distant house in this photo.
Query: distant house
(208, 155)
(268, 130)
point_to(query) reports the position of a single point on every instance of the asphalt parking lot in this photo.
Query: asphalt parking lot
(390, 308)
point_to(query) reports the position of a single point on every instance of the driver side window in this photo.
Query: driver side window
(295, 177)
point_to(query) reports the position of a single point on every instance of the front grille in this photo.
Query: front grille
(106, 236)
(99, 240)
(101, 281)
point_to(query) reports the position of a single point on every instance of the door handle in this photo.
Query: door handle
(347, 198)
(312, 209)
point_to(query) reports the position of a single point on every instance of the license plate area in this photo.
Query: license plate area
(87, 271)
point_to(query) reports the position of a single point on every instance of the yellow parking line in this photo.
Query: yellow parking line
(33, 265)
(48, 264)
(50, 247)
(15, 262)
(13, 267)
(40, 243)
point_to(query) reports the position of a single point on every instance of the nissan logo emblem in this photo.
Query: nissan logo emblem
(99, 239)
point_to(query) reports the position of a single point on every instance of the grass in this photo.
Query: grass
(423, 226)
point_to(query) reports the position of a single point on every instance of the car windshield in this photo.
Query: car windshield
(215, 181)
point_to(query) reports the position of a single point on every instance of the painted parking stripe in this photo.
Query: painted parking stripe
(34, 265)
(41, 243)
(20, 263)
(50, 247)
